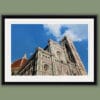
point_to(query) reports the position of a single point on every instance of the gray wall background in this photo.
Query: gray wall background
(40, 92)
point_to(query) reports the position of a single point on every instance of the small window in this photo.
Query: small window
(46, 67)
(61, 61)
(58, 54)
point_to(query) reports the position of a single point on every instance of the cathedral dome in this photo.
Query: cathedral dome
(17, 65)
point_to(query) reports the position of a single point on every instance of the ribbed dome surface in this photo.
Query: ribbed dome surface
(19, 63)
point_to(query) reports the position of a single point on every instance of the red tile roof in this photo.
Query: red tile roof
(18, 63)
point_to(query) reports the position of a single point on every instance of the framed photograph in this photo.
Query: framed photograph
(49, 49)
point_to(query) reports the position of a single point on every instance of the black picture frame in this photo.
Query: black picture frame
(4, 17)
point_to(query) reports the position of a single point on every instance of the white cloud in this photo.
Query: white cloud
(70, 34)
(75, 32)
(53, 29)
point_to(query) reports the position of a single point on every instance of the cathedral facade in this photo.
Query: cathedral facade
(54, 59)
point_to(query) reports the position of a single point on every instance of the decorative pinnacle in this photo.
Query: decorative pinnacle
(25, 56)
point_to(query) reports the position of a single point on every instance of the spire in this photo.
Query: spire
(23, 59)
(25, 56)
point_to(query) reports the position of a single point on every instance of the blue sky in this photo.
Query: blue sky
(25, 38)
